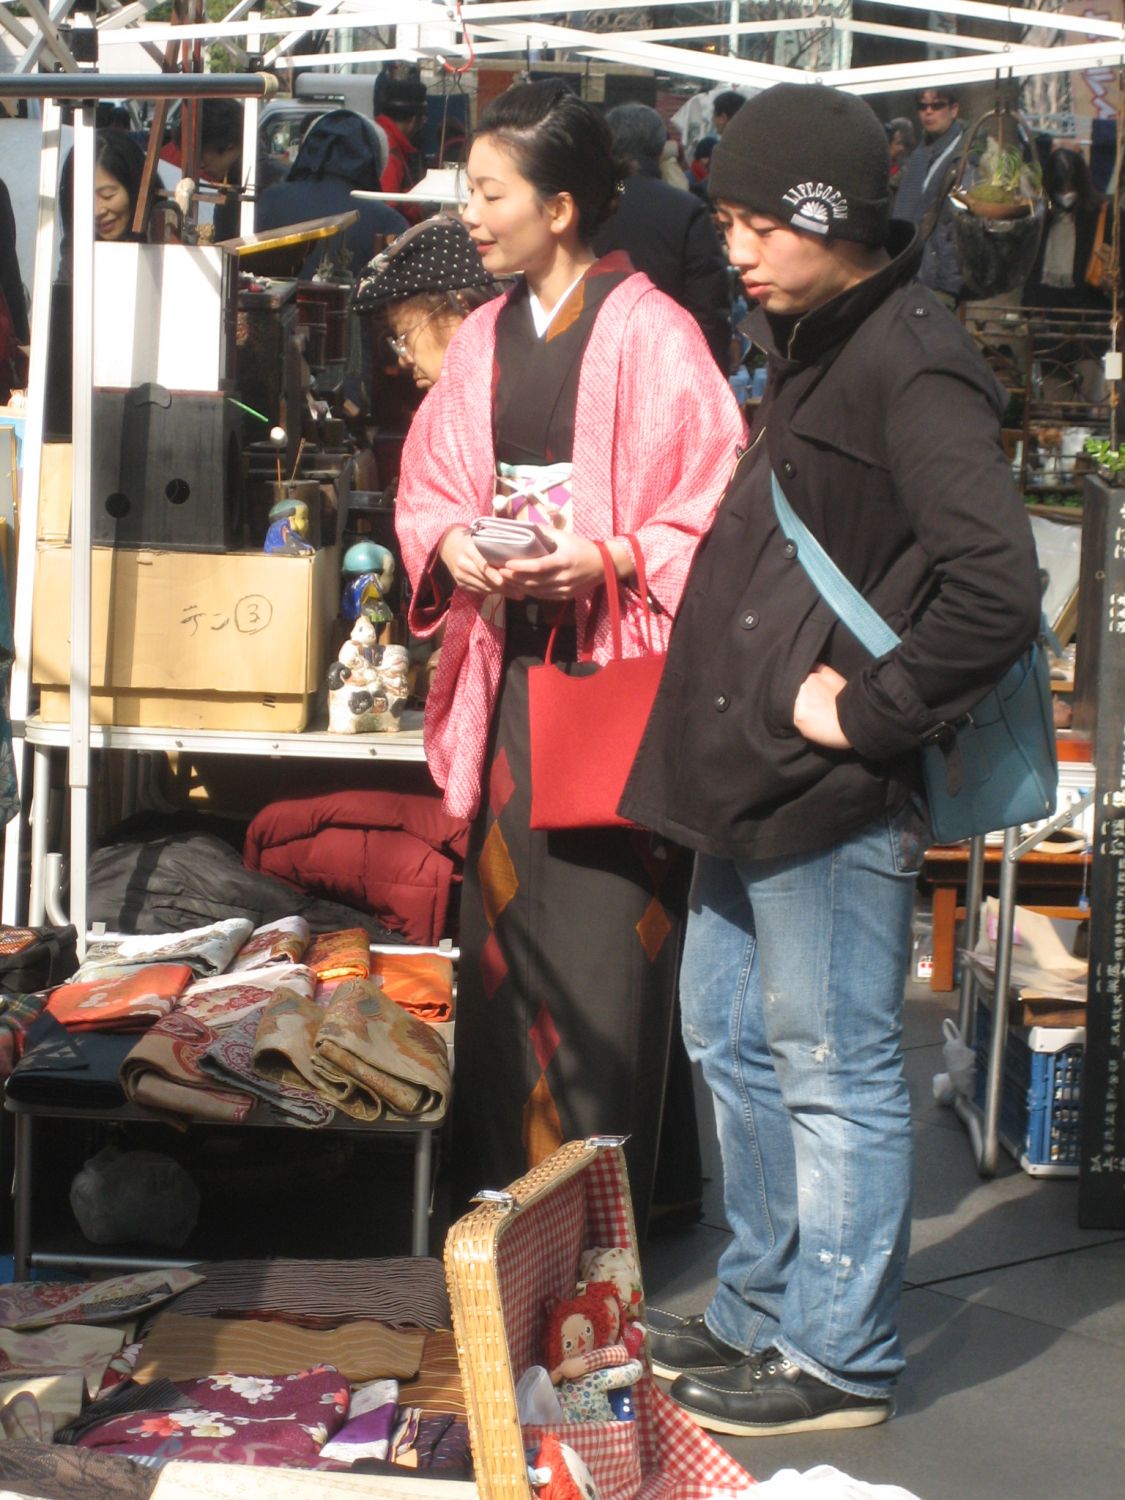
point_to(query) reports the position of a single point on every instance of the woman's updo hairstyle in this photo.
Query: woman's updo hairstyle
(561, 144)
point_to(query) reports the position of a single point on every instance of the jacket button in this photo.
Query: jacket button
(722, 702)
(788, 470)
(750, 619)
(921, 312)
(790, 549)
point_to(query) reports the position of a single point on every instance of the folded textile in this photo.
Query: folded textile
(17, 1012)
(184, 1348)
(72, 1070)
(58, 1473)
(226, 998)
(370, 1056)
(401, 1291)
(39, 1304)
(285, 1038)
(55, 1400)
(422, 983)
(61, 1351)
(437, 1388)
(441, 1444)
(162, 1073)
(207, 950)
(340, 955)
(283, 941)
(161, 1395)
(367, 1432)
(235, 1418)
(128, 1004)
(230, 1060)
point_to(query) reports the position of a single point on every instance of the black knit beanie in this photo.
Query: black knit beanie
(812, 156)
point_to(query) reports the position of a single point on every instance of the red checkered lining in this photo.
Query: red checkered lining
(537, 1257)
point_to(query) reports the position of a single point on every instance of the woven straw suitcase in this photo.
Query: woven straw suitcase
(502, 1261)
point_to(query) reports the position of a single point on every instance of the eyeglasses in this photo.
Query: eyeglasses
(403, 344)
(923, 106)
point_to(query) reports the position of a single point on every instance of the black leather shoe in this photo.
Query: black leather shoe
(687, 1344)
(767, 1395)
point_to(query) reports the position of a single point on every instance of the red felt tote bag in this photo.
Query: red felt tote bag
(585, 730)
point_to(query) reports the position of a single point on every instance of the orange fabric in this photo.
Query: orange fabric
(340, 955)
(129, 1004)
(421, 983)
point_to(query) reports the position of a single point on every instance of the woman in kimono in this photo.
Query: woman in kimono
(588, 401)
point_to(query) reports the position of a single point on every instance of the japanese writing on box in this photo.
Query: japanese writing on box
(247, 615)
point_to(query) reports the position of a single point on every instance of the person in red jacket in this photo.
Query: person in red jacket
(403, 118)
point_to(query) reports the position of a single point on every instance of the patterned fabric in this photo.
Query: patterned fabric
(400, 1291)
(368, 1431)
(39, 1406)
(186, 1348)
(370, 1056)
(129, 1398)
(207, 950)
(226, 998)
(283, 941)
(59, 1351)
(340, 955)
(230, 1060)
(284, 1039)
(437, 1387)
(164, 1073)
(129, 1004)
(656, 427)
(38, 1304)
(422, 983)
(52, 1472)
(17, 1012)
(234, 1418)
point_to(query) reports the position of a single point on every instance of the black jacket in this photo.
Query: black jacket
(668, 234)
(1037, 293)
(926, 179)
(881, 420)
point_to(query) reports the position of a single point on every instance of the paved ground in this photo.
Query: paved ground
(1014, 1321)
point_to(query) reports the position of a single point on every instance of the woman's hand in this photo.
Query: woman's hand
(470, 571)
(573, 568)
(814, 712)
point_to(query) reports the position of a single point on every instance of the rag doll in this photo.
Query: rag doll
(558, 1473)
(582, 1370)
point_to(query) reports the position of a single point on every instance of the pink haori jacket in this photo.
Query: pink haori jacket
(656, 433)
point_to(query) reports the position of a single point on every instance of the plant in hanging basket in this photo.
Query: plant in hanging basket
(1004, 186)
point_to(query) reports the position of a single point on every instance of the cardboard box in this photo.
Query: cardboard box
(56, 480)
(187, 640)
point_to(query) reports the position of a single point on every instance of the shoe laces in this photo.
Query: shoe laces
(771, 1362)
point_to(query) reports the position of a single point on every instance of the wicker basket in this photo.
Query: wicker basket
(502, 1261)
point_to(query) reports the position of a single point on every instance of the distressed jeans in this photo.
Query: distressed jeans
(791, 989)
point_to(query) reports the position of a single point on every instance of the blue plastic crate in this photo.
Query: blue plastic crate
(1041, 1098)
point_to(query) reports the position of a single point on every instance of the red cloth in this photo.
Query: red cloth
(403, 167)
(394, 854)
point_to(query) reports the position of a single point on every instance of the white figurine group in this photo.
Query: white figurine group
(368, 684)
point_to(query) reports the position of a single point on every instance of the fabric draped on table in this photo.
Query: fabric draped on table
(421, 983)
(284, 1038)
(401, 1291)
(50, 1471)
(340, 955)
(226, 998)
(128, 1004)
(179, 1348)
(163, 1073)
(70, 1069)
(42, 1304)
(230, 1061)
(206, 950)
(38, 1406)
(283, 941)
(17, 1012)
(437, 1386)
(59, 1351)
(370, 1056)
(570, 941)
(125, 1399)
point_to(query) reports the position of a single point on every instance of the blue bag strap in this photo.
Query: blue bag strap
(865, 623)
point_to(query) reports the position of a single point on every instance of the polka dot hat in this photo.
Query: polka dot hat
(434, 256)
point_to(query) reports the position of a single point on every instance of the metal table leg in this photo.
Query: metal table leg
(423, 1173)
(40, 825)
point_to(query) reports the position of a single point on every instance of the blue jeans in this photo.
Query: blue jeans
(791, 989)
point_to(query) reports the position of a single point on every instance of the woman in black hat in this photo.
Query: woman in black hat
(425, 284)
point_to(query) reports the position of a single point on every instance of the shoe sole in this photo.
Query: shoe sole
(863, 1416)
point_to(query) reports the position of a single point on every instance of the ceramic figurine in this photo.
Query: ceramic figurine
(289, 529)
(368, 684)
(369, 572)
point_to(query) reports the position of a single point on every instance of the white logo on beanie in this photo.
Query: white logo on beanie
(817, 204)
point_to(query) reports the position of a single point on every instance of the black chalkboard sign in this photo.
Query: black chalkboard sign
(1101, 1189)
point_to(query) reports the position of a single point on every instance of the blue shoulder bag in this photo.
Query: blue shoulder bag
(995, 768)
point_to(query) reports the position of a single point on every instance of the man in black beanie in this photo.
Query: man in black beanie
(788, 758)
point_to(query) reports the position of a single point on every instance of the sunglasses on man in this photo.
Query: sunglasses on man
(922, 105)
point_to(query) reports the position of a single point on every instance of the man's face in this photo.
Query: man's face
(936, 111)
(785, 270)
(720, 123)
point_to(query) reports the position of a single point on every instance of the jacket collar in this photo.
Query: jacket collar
(795, 341)
(938, 143)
